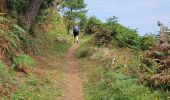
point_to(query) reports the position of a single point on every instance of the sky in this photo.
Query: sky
(140, 14)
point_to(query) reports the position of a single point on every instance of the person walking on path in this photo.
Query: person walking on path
(76, 31)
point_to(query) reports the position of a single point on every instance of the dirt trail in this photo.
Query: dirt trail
(72, 80)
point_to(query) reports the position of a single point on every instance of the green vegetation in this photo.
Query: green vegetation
(147, 41)
(37, 56)
(113, 33)
(21, 61)
(113, 74)
(73, 10)
(117, 86)
(116, 63)
(1, 65)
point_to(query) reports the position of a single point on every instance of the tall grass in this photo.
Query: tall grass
(109, 85)
(21, 61)
(119, 82)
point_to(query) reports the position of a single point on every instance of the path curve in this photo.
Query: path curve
(72, 81)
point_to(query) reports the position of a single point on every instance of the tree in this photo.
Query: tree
(83, 22)
(30, 14)
(27, 10)
(17, 7)
(72, 11)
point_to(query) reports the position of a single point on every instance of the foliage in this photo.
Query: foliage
(107, 32)
(103, 36)
(73, 10)
(21, 61)
(83, 22)
(147, 41)
(112, 20)
(17, 6)
(92, 25)
(117, 80)
(109, 85)
(49, 27)
(47, 3)
(62, 48)
(84, 50)
(128, 37)
(17, 29)
(1, 65)
(156, 65)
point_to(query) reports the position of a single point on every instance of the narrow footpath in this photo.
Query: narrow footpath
(72, 81)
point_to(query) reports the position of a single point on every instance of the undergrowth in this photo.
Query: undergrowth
(41, 83)
(1, 65)
(113, 74)
(21, 61)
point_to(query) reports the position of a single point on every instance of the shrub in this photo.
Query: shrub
(84, 52)
(103, 36)
(21, 61)
(112, 30)
(157, 61)
(147, 41)
(92, 25)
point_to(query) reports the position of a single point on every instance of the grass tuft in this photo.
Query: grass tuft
(21, 61)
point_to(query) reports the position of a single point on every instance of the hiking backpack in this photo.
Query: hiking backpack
(76, 29)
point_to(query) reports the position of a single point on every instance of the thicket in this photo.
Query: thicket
(156, 64)
(17, 47)
(113, 33)
(19, 7)
(15, 42)
(113, 74)
(152, 69)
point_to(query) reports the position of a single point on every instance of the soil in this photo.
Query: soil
(72, 80)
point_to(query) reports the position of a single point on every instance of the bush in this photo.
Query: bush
(84, 52)
(112, 30)
(157, 61)
(103, 36)
(147, 41)
(92, 25)
(22, 61)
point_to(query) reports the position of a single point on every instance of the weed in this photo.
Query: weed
(119, 82)
(21, 61)
(109, 85)
(1, 65)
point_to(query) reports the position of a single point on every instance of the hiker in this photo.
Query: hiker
(76, 31)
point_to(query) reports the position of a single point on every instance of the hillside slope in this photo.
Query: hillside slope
(31, 66)
(114, 74)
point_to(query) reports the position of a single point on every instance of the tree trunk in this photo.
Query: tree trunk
(2, 6)
(30, 14)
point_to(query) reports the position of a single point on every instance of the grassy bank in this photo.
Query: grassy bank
(47, 50)
(113, 74)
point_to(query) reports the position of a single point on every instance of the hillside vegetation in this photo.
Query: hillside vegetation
(120, 64)
(27, 58)
(116, 63)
